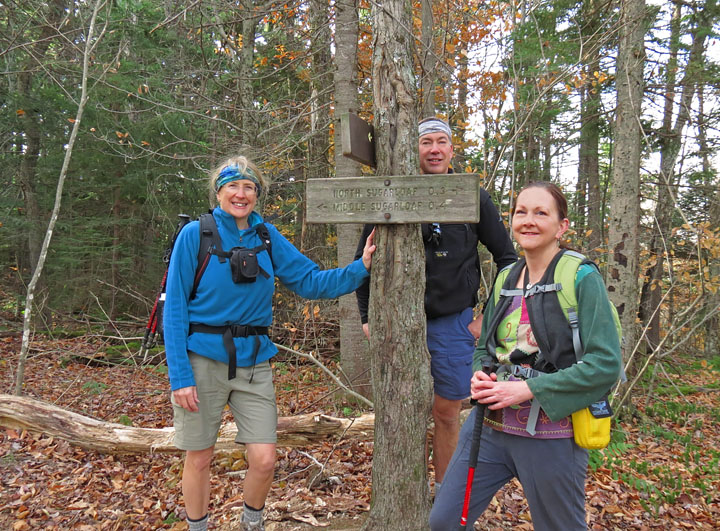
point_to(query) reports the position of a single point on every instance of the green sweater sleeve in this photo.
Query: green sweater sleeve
(480, 351)
(569, 390)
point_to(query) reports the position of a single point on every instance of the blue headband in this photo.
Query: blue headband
(232, 173)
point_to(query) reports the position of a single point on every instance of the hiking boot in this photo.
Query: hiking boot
(252, 526)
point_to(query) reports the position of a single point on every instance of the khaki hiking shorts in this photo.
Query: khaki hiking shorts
(252, 405)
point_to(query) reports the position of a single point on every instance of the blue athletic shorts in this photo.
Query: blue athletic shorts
(451, 347)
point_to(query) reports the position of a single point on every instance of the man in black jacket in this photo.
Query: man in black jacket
(452, 275)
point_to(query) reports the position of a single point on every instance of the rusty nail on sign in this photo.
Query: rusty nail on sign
(387, 182)
(387, 215)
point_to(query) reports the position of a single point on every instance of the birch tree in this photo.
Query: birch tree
(90, 42)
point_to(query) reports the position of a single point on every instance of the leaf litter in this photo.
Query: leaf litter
(659, 479)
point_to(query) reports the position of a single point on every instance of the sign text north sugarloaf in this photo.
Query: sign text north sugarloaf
(448, 198)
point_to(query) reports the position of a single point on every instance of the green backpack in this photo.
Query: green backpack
(593, 431)
(564, 276)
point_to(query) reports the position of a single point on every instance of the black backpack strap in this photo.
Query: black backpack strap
(209, 232)
(210, 244)
(264, 234)
(208, 239)
(541, 319)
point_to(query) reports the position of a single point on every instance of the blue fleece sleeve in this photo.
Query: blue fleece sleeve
(304, 277)
(176, 323)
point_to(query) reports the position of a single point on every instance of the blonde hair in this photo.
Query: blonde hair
(243, 165)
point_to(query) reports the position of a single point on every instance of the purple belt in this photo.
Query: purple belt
(514, 420)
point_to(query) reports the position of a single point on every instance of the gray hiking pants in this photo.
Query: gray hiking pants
(552, 473)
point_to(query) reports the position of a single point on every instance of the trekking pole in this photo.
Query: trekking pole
(474, 450)
(148, 341)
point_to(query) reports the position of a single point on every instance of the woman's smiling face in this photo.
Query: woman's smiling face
(536, 222)
(238, 198)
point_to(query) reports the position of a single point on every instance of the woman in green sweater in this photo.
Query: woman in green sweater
(532, 392)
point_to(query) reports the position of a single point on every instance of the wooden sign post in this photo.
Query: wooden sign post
(437, 198)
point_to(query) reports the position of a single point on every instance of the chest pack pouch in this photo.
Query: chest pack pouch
(244, 265)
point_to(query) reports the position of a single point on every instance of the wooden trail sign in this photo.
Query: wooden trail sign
(438, 198)
(446, 198)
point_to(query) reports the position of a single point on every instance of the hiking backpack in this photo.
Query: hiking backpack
(209, 244)
(562, 270)
(566, 268)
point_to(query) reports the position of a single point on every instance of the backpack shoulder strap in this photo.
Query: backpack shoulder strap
(209, 238)
(506, 280)
(264, 234)
(565, 273)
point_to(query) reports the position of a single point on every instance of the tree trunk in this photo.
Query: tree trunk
(353, 344)
(546, 141)
(399, 356)
(248, 130)
(34, 415)
(625, 199)
(30, 142)
(461, 116)
(671, 142)
(652, 287)
(314, 236)
(27, 177)
(712, 332)
(429, 60)
(589, 163)
(115, 252)
(532, 151)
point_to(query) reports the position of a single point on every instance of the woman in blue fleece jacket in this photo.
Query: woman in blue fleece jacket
(224, 315)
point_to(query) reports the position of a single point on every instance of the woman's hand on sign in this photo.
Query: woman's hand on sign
(369, 250)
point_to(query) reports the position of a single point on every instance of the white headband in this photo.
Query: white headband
(434, 125)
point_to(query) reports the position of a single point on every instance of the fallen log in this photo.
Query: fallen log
(107, 437)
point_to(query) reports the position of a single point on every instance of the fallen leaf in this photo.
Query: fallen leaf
(78, 505)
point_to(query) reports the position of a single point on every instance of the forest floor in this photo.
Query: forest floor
(660, 471)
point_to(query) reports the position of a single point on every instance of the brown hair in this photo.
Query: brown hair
(554, 190)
